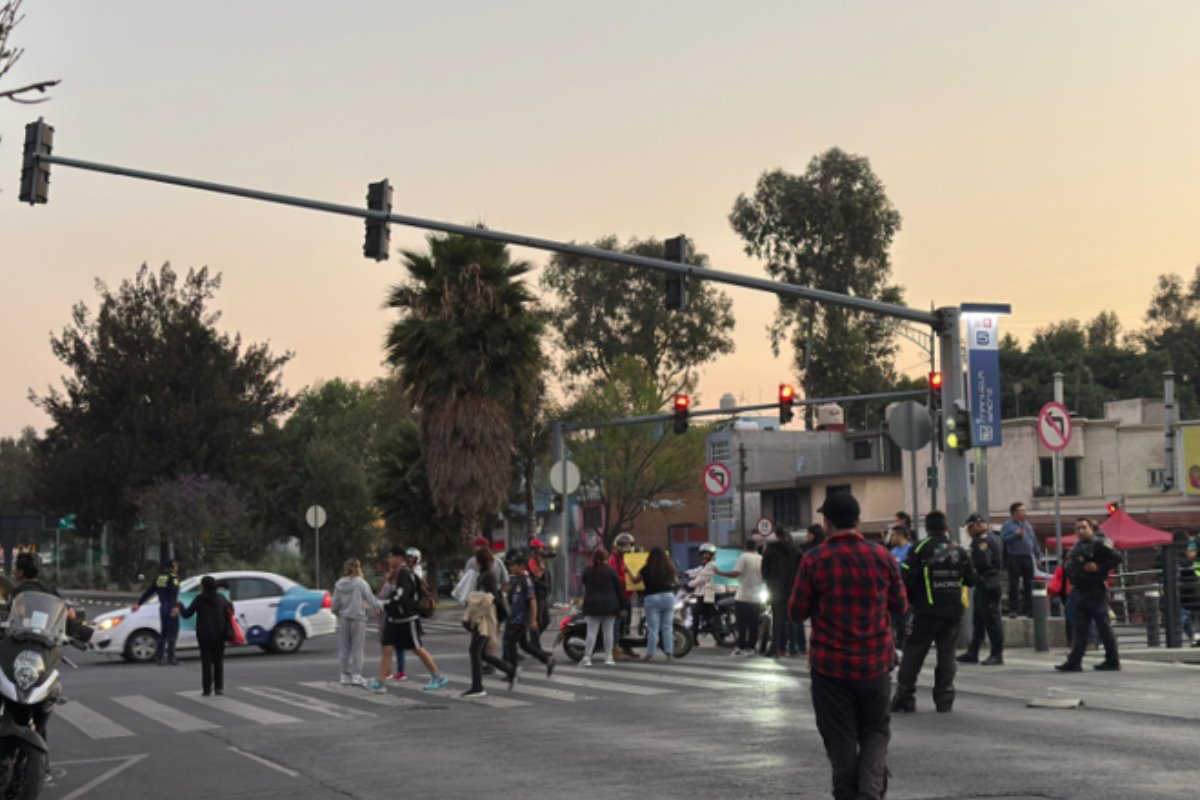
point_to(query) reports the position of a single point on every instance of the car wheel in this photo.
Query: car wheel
(287, 638)
(140, 646)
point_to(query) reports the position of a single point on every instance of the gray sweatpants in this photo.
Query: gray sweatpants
(352, 635)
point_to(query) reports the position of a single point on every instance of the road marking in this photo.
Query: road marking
(591, 683)
(358, 693)
(90, 723)
(491, 701)
(129, 761)
(674, 680)
(522, 687)
(259, 759)
(305, 702)
(172, 718)
(758, 676)
(240, 709)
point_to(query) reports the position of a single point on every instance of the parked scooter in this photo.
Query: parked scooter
(30, 655)
(721, 625)
(572, 635)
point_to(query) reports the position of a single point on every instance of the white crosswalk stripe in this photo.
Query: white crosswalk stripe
(90, 723)
(762, 677)
(237, 708)
(605, 685)
(357, 693)
(159, 712)
(459, 685)
(303, 701)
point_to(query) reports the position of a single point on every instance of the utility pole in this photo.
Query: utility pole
(954, 461)
(1058, 546)
(742, 488)
(558, 452)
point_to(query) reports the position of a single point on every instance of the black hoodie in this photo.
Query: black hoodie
(212, 616)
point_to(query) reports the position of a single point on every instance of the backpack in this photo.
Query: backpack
(404, 602)
(426, 602)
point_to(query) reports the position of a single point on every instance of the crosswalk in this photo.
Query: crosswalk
(306, 702)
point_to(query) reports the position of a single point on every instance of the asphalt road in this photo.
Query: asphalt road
(709, 726)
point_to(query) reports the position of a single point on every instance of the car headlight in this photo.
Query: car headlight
(109, 623)
(28, 666)
(763, 595)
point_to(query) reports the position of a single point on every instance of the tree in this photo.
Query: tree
(467, 350)
(199, 515)
(1172, 333)
(607, 312)
(631, 465)
(16, 471)
(10, 17)
(830, 228)
(154, 391)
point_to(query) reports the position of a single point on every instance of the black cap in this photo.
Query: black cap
(976, 518)
(840, 506)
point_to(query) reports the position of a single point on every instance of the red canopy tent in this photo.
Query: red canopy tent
(1125, 532)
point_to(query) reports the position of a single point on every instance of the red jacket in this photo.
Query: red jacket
(617, 562)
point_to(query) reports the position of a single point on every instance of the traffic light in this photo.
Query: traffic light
(35, 173)
(958, 427)
(556, 503)
(1115, 506)
(787, 399)
(682, 401)
(379, 198)
(935, 390)
(677, 290)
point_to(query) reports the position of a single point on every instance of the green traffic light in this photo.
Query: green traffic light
(952, 440)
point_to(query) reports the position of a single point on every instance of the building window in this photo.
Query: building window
(1156, 478)
(1070, 477)
(721, 509)
(721, 450)
(593, 517)
(862, 449)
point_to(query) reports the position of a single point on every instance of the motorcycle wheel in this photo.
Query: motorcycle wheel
(22, 771)
(571, 650)
(682, 640)
(723, 632)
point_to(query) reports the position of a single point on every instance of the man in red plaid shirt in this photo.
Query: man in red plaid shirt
(850, 588)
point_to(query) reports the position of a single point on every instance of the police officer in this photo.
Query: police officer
(1087, 567)
(934, 573)
(987, 556)
(167, 589)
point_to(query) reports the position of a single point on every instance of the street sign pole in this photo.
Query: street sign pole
(559, 453)
(916, 491)
(954, 462)
(1058, 546)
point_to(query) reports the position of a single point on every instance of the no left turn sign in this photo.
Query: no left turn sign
(717, 479)
(1054, 426)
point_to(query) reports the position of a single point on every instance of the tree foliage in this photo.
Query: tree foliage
(16, 471)
(830, 228)
(467, 349)
(198, 514)
(607, 312)
(10, 17)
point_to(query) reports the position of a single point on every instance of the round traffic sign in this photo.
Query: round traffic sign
(717, 479)
(556, 477)
(315, 517)
(1054, 426)
(909, 425)
(764, 526)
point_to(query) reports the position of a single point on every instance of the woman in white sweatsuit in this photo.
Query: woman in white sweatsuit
(352, 596)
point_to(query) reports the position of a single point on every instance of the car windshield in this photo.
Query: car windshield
(37, 615)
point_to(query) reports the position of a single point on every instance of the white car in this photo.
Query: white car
(276, 613)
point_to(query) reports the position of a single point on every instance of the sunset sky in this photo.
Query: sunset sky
(1041, 154)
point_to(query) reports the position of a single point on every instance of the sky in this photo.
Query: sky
(1040, 154)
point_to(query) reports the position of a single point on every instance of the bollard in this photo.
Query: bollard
(1152, 619)
(1041, 612)
(1171, 611)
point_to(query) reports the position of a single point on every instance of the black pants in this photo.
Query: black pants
(1020, 585)
(855, 724)
(1087, 610)
(900, 628)
(479, 655)
(929, 631)
(747, 624)
(783, 632)
(520, 636)
(986, 618)
(212, 665)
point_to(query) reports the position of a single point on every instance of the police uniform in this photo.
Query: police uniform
(167, 588)
(934, 573)
(1089, 595)
(987, 557)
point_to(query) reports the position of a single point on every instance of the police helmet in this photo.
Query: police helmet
(413, 552)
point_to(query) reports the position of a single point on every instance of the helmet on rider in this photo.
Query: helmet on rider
(413, 553)
(623, 542)
(708, 552)
(536, 544)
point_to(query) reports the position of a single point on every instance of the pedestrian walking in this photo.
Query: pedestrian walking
(389, 657)
(523, 608)
(934, 575)
(402, 630)
(658, 600)
(987, 556)
(747, 601)
(497, 567)
(543, 588)
(1020, 552)
(779, 564)
(602, 594)
(848, 587)
(1087, 568)
(622, 544)
(900, 544)
(166, 589)
(214, 621)
(352, 599)
(486, 611)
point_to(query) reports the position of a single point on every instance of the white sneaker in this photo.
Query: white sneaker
(358, 680)
(608, 662)
(587, 662)
(345, 680)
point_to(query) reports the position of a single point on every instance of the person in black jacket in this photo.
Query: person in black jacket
(987, 556)
(1087, 567)
(212, 612)
(603, 595)
(779, 573)
(934, 573)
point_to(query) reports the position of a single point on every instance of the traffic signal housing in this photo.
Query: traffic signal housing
(958, 427)
(556, 503)
(682, 402)
(379, 198)
(677, 290)
(35, 173)
(787, 399)
(935, 390)
(1114, 506)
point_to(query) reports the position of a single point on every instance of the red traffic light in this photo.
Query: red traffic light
(935, 381)
(787, 393)
(682, 401)
(1113, 508)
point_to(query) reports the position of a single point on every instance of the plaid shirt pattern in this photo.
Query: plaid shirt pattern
(850, 587)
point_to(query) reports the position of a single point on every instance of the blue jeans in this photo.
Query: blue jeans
(660, 621)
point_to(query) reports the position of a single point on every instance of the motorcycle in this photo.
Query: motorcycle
(572, 636)
(30, 655)
(721, 625)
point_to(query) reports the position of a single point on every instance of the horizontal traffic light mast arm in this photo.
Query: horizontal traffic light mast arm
(746, 281)
(718, 412)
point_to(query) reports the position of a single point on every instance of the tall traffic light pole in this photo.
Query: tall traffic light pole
(954, 390)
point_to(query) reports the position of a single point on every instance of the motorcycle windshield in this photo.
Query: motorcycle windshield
(38, 616)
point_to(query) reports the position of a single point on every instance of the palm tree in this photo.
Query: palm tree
(467, 349)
